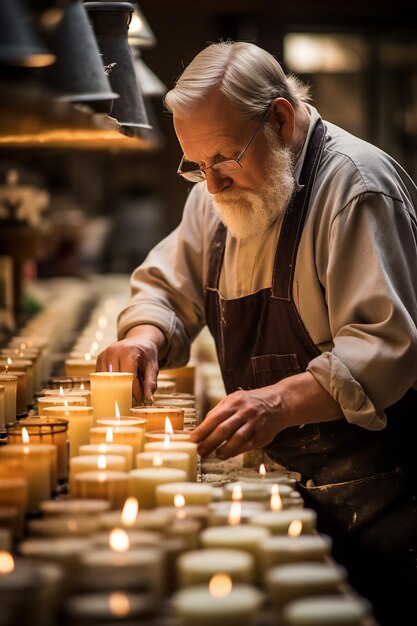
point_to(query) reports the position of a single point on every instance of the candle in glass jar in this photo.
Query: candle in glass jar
(119, 449)
(86, 463)
(108, 390)
(156, 416)
(45, 402)
(36, 465)
(80, 420)
(9, 382)
(106, 484)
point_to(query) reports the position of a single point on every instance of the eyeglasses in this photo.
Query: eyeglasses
(190, 170)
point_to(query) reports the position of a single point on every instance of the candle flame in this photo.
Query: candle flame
(9, 361)
(235, 514)
(6, 562)
(116, 411)
(103, 448)
(25, 435)
(130, 511)
(119, 604)
(119, 540)
(157, 460)
(109, 435)
(87, 356)
(220, 585)
(237, 493)
(110, 368)
(179, 503)
(262, 470)
(102, 477)
(102, 462)
(66, 405)
(294, 529)
(61, 391)
(168, 427)
(275, 501)
(167, 442)
(82, 386)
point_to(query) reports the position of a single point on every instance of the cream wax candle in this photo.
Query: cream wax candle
(197, 567)
(278, 522)
(128, 435)
(177, 446)
(281, 549)
(143, 483)
(119, 449)
(49, 401)
(108, 390)
(36, 465)
(193, 493)
(80, 420)
(87, 463)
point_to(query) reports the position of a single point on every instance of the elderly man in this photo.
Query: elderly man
(298, 250)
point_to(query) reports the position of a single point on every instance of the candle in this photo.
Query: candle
(180, 460)
(281, 549)
(185, 400)
(36, 465)
(267, 476)
(184, 378)
(25, 365)
(86, 463)
(51, 401)
(218, 603)
(74, 506)
(165, 386)
(295, 580)
(102, 484)
(9, 382)
(243, 537)
(123, 421)
(177, 446)
(130, 435)
(64, 393)
(143, 483)
(198, 566)
(338, 611)
(221, 513)
(109, 388)
(44, 430)
(119, 449)
(155, 519)
(17, 584)
(156, 416)
(174, 435)
(193, 493)
(108, 607)
(257, 491)
(63, 526)
(80, 367)
(278, 522)
(80, 420)
(135, 537)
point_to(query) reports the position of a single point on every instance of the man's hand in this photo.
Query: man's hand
(138, 353)
(241, 421)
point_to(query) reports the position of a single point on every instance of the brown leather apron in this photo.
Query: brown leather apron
(364, 481)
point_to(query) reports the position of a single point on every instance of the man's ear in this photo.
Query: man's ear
(283, 119)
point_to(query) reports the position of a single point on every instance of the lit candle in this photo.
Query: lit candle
(278, 522)
(9, 382)
(119, 449)
(103, 484)
(218, 603)
(51, 401)
(107, 388)
(10, 365)
(64, 392)
(257, 491)
(198, 566)
(168, 458)
(63, 526)
(80, 420)
(36, 468)
(156, 416)
(86, 463)
(279, 549)
(177, 446)
(143, 483)
(338, 611)
(2, 390)
(108, 607)
(220, 513)
(130, 435)
(13, 493)
(193, 493)
(74, 507)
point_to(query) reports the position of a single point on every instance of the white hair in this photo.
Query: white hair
(249, 76)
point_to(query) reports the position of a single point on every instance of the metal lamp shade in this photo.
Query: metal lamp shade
(110, 22)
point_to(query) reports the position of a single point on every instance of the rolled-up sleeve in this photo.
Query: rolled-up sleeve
(370, 290)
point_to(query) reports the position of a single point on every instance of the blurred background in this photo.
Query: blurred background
(88, 156)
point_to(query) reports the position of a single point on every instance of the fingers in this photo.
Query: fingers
(240, 441)
(221, 431)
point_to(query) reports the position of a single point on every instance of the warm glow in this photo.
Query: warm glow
(109, 435)
(61, 391)
(82, 386)
(103, 448)
(9, 361)
(6, 562)
(25, 435)
(102, 321)
(119, 540)
(275, 501)
(130, 511)
(167, 442)
(294, 529)
(168, 427)
(237, 493)
(179, 503)
(116, 410)
(157, 460)
(119, 604)
(72, 525)
(235, 514)
(87, 356)
(220, 585)
(262, 470)
(66, 405)
(102, 462)
(101, 477)
(99, 335)
(94, 346)
(110, 368)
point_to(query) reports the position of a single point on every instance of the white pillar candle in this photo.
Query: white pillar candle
(104, 485)
(143, 483)
(50, 401)
(278, 522)
(80, 420)
(74, 507)
(130, 435)
(36, 468)
(155, 520)
(197, 606)
(9, 382)
(281, 549)
(88, 463)
(198, 566)
(270, 476)
(220, 512)
(295, 580)
(338, 611)
(256, 491)
(120, 449)
(180, 460)
(186, 529)
(178, 446)
(193, 493)
(63, 526)
(109, 388)
(155, 416)
(243, 537)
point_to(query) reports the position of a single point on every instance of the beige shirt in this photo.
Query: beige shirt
(355, 282)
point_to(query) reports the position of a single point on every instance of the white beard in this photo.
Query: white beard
(247, 213)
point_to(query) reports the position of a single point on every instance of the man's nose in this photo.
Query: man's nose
(216, 182)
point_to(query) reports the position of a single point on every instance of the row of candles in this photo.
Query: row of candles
(140, 535)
